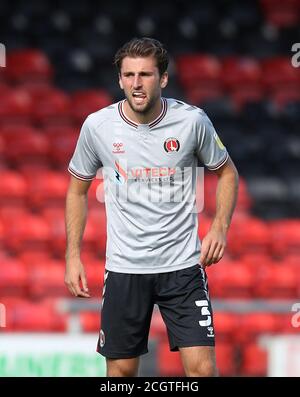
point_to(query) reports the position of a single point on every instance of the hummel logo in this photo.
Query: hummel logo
(211, 332)
(118, 148)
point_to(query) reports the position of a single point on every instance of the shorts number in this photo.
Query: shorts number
(204, 312)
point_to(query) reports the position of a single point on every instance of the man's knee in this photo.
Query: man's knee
(203, 369)
(122, 368)
(199, 361)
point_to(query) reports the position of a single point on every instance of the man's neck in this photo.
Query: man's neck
(141, 118)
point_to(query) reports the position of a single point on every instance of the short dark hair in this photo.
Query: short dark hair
(143, 47)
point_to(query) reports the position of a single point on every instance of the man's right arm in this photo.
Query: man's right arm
(75, 218)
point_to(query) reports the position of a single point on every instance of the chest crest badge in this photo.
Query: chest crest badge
(171, 145)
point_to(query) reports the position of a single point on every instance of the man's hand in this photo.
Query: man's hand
(213, 246)
(74, 274)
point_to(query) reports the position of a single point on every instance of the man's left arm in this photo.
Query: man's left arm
(213, 244)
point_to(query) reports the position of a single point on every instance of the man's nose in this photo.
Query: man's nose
(137, 82)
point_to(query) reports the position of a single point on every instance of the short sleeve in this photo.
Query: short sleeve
(85, 161)
(210, 149)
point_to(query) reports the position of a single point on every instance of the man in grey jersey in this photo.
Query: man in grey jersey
(149, 148)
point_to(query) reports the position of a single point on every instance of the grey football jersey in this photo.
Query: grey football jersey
(149, 180)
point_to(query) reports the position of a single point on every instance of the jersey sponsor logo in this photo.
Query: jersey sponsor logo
(171, 145)
(101, 338)
(121, 174)
(142, 173)
(118, 148)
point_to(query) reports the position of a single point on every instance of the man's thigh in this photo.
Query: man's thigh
(184, 302)
(127, 306)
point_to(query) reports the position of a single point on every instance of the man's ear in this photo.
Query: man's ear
(164, 80)
(120, 82)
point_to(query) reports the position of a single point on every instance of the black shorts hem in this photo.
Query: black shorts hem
(192, 344)
(115, 355)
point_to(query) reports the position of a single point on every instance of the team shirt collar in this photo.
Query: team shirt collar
(153, 123)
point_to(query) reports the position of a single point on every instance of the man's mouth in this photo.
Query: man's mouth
(139, 97)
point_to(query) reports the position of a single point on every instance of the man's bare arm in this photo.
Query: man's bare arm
(213, 244)
(75, 218)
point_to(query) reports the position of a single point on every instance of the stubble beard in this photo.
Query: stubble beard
(144, 109)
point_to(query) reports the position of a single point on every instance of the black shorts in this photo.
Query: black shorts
(128, 299)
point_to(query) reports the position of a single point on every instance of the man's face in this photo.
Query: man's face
(141, 82)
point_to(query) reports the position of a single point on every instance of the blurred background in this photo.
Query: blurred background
(231, 58)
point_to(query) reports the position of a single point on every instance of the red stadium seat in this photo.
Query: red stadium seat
(284, 96)
(89, 321)
(226, 325)
(27, 146)
(62, 145)
(13, 189)
(278, 280)
(28, 65)
(97, 218)
(279, 73)
(204, 224)
(89, 101)
(2, 153)
(242, 97)
(244, 201)
(198, 69)
(285, 237)
(202, 93)
(2, 254)
(251, 235)
(27, 232)
(93, 240)
(34, 317)
(231, 279)
(46, 279)
(54, 218)
(14, 278)
(11, 213)
(240, 72)
(94, 271)
(242, 80)
(3, 80)
(253, 325)
(52, 109)
(169, 363)
(254, 360)
(226, 359)
(31, 258)
(16, 108)
(48, 189)
(254, 260)
(281, 14)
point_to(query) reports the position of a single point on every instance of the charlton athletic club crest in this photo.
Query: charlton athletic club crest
(171, 145)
